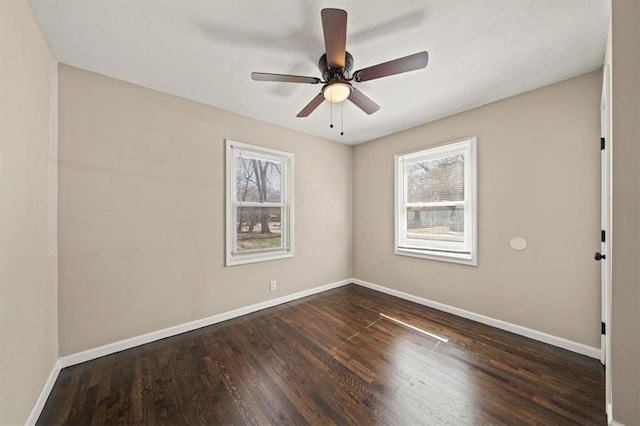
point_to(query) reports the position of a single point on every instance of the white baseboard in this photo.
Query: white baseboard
(44, 394)
(132, 342)
(513, 328)
(111, 348)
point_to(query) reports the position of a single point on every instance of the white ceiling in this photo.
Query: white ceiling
(479, 51)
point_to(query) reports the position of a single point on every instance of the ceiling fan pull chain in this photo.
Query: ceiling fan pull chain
(341, 118)
(331, 121)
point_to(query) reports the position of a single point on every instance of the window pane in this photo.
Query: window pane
(259, 228)
(436, 180)
(258, 180)
(436, 227)
(435, 202)
(259, 195)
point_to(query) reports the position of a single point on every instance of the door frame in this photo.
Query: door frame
(606, 224)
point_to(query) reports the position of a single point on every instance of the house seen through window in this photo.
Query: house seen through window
(436, 203)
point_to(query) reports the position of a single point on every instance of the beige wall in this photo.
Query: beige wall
(28, 264)
(142, 212)
(625, 256)
(538, 168)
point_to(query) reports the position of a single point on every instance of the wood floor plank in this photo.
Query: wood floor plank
(346, 356)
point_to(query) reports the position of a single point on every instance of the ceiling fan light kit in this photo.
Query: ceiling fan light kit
(336, 64)
(336, 92)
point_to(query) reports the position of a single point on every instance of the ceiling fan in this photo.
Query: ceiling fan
(336, 64)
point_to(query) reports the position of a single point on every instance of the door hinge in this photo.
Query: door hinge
(601, 143)
(603, 235)
(603, 328)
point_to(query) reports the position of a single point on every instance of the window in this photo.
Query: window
(435, 203)
(259, 204)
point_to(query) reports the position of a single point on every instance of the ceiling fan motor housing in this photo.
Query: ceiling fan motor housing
(331, 74)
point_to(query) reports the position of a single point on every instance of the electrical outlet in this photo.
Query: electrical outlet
(273, 285)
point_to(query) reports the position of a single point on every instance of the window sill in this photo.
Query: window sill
(243, 259)
(462, 259)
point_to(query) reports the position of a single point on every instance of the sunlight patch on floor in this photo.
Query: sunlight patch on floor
(435, 336)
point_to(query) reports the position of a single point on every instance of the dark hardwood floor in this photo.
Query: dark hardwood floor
(333, 358)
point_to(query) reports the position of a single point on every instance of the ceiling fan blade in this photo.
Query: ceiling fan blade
(311, 106)
(362, 101)
(397, 66)
(334, 26)
(284, 78)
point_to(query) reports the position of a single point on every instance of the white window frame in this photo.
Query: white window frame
(467, 147)
(234, 257)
